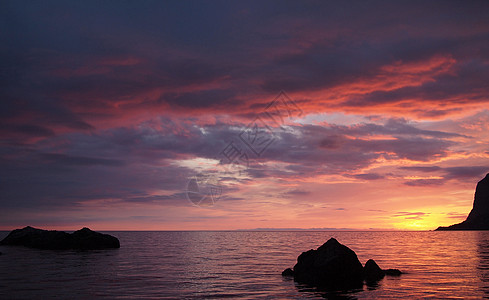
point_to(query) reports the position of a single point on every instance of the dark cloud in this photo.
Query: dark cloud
(323, 66)
(447, 173)
(332, 142)
(202, 99)
(313, 149)
(127, 156)
(451, 89)
(410, 215)
(466, 172)
(456, 215)
(367, 176)
(63, 159)
(396, 127)
(68, 182)
(23, 130)
(64, 74)
(422, 169)
(296, 193)
(402, 127)
(424, 182)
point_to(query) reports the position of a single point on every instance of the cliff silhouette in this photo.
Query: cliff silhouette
(478, 218)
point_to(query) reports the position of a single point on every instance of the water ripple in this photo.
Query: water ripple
(246, 265)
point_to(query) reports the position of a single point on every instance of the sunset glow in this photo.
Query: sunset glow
(105, 121)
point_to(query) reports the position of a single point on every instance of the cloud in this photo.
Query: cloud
(424, 182)
(123, 102)
(153, 159)
(201, 99)
(448, 91)
(25, 131)
(446, 173)
(368, 176)
(296, 193)
(410, 215)
(63, 159)
(466, 172)
(422, 169)
(456, 215)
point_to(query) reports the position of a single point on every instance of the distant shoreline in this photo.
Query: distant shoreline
(267, 230)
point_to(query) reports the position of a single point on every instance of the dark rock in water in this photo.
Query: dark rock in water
(392, 272)
(335, 266)
(331, 265)
(372, 271)
(288, 272)
(478, 218)
(83, 239)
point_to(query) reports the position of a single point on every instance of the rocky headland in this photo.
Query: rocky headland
(478, 218)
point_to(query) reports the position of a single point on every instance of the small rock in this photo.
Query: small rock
(372, 271)
(393, 272)
(288, 272)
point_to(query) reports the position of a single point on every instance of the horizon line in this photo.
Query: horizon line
(244, 230)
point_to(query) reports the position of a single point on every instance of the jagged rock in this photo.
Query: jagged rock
(288, 272)
(478, 218)
(372, 271)
(331, 265)
(83, 239)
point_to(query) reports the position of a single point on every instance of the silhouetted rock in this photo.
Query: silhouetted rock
(288, 272)
(372, 271)
(392, 272)
(83, 239)
(331, 265)
(478, 218)
(335, 266)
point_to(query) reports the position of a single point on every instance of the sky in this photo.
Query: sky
(223, 115)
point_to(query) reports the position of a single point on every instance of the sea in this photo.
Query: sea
(246, 265)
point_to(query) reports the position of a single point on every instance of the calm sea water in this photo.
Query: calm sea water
(246, 265)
